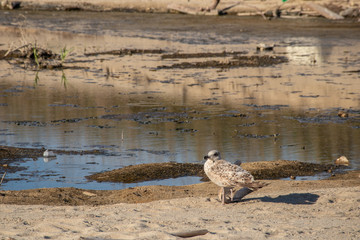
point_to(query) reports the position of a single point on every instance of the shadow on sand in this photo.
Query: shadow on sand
(293, 198)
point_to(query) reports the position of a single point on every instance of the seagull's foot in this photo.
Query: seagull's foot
(231, 194)
(223, 196)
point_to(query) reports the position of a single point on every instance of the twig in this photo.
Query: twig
(23, 46)
(2, 179)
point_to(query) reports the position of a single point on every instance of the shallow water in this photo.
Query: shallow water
(141, 114)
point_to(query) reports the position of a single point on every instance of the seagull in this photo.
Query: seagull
(227, 175)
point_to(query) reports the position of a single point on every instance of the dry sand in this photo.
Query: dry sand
(323, 209)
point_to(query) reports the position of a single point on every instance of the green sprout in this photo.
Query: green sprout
(36, 80)
(36, 57)
(64, 80)
(63, 54)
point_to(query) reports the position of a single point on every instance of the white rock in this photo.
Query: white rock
(342, 161)
(48, 153)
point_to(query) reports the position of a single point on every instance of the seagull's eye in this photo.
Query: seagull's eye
(216, 154)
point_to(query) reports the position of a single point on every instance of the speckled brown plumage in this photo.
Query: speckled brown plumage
(225, 174)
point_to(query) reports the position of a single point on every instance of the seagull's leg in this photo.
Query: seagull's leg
(223, 195)
(231, 194)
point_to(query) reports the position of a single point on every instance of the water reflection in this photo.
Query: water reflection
(139, 114)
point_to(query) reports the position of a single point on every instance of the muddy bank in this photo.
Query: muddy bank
(76, 197)
(31, 57)
(260, 170)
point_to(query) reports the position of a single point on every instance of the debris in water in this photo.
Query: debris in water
(264, 47)
(48, 153)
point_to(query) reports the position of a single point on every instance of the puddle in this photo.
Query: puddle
(112, 96)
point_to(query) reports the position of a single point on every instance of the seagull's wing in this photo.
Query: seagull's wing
(231, 174)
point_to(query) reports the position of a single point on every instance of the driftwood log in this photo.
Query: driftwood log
(192, 10)
(324, 11)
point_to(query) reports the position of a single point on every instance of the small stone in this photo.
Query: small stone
(89, 194)
(343, 114)
(342, 161)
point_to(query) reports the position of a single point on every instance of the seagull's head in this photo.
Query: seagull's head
(213, 155)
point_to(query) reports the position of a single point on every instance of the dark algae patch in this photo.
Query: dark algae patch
(126, 51)
(200, 55)
(147, 172)
(285, 168)
(236, 61)
(260, 170)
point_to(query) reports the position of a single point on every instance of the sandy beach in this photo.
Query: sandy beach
(323, 209)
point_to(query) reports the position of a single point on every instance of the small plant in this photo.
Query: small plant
(64, 80)
(63, 54)
(36, 80)
(36, 57)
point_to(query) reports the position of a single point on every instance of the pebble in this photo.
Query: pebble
(342, 161)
